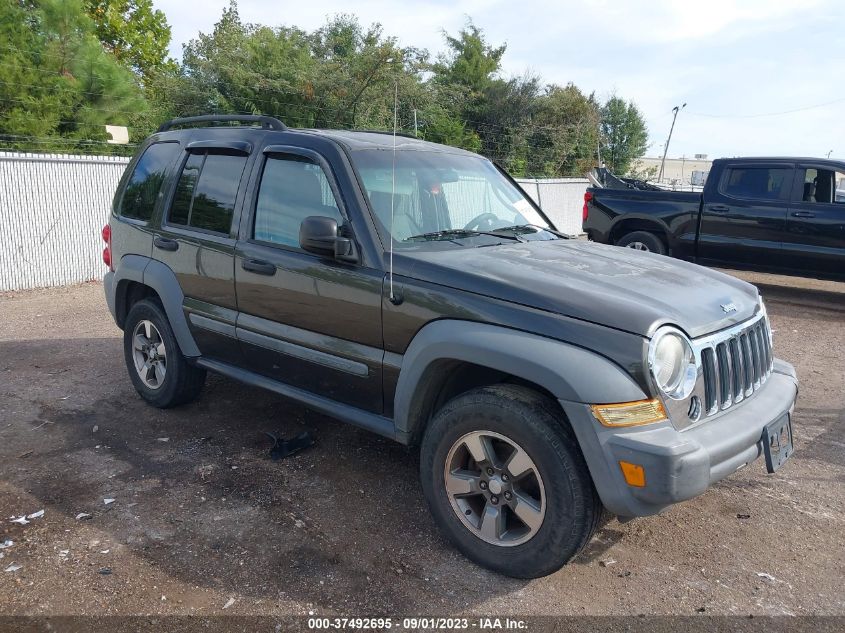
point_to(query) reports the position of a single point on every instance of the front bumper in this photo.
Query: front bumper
(680, 465)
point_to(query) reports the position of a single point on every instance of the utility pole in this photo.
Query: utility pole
(676, 109)
(415, 123)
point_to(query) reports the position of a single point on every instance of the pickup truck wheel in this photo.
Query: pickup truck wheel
(159, 372)
(506, 481)
(643, 241)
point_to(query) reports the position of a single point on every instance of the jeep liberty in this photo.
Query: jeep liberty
(416, 291)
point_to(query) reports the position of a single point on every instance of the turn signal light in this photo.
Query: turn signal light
(634, 474)
(630, 413)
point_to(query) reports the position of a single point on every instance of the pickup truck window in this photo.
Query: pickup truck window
(757, 183)
(142, 190)
(292, 188)
(206, 191)
(438, 194)
(825, 186)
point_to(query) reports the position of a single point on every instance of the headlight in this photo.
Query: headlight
(672, 363)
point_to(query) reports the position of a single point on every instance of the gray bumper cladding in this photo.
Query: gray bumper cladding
(679, 465)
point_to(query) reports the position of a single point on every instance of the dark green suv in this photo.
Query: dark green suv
(414, 290)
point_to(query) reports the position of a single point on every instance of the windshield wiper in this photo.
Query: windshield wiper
(537, 228)
(452, 233)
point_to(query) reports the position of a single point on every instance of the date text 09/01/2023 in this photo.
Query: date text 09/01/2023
(480, 623)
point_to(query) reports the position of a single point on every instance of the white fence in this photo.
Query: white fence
(562, 199)
(52, 208)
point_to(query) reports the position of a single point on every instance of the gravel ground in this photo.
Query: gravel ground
(201, 518)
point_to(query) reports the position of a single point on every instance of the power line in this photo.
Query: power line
(767, 114)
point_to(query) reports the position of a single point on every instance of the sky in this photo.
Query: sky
(759, 77)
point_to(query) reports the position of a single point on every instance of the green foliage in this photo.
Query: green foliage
(71, 66)
(58, 87)
(624, 134)
(133, 32)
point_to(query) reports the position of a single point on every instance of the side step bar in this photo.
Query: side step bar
(364, 419)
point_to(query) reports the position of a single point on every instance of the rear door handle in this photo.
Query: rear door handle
(259, 266)
(165, 243)
(719, 208)
(803, 214)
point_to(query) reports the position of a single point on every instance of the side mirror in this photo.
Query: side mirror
(318, 235)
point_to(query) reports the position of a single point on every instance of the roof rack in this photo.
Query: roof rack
(387, 132)
(267, 122)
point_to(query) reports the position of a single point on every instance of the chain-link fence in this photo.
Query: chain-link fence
(53, 207)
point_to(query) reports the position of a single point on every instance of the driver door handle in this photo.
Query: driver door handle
(259, 267)
(803, 214)
(719, 208)
(165, 243)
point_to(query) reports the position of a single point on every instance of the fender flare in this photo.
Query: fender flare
(162, 279)
(567, 371)
(656, 222)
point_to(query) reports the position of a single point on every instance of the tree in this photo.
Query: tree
(460, 82)
(624, 134)
(471, 62)
(135, 33)
(564, 133)
(56, 81)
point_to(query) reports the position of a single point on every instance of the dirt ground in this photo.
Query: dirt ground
(202, 518)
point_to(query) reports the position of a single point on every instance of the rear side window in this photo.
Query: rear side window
(142, 189)
(758, 183)
(825, 186)
(206, 192)
(292, 188)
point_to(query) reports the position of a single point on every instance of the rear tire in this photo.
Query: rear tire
(160, 373)
(540, 519)
(643, 241)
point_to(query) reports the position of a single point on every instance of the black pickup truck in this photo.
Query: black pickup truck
(782, 215)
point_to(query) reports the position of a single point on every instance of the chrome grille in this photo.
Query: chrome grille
(734, 363)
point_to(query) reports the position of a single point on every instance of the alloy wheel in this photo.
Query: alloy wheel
(495, 488)
(149, 354)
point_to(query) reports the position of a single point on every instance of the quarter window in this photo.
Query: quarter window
(758, 183)
(823, 185)
(292, 188)
(206, 192)
(142, 189)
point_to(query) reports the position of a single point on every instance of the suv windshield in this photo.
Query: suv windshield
(442, 197)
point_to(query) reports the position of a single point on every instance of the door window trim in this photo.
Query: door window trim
(728, 168)
(268, 153)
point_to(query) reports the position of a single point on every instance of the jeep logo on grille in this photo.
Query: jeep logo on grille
(727, 308)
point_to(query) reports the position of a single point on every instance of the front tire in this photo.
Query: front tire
(158, 370)
(643, 241)
(506, 481)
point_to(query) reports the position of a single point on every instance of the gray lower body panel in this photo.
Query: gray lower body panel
(109, 289)
(679, 465)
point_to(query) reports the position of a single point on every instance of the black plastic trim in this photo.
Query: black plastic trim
(369, 421)
(267, 122)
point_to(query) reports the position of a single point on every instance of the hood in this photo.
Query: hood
(621, 288)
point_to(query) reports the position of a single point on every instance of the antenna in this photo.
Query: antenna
(393, 185)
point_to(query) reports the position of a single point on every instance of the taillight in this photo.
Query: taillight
(107, 249)
(586, 210)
